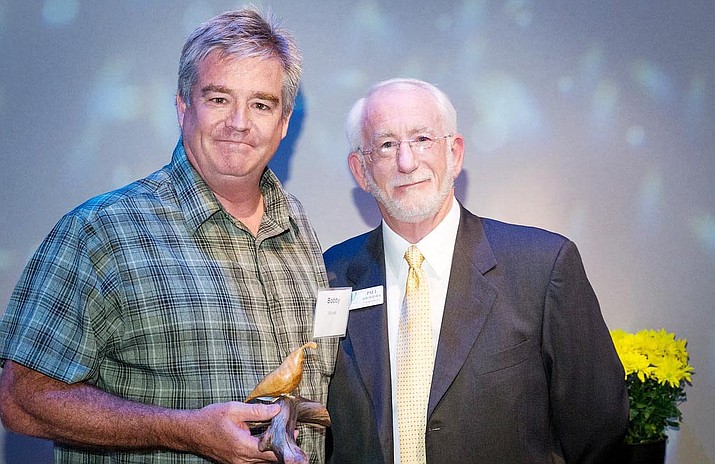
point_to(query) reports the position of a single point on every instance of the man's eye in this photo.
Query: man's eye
(218, 100)
(261, 106)
(390, 144)
(423, 139)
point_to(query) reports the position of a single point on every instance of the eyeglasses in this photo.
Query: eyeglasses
(389, 148)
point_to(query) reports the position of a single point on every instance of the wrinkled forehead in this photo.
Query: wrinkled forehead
(400, 112)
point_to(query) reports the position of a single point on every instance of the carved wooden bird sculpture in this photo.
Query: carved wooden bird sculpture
(285, 378)
(277, 387)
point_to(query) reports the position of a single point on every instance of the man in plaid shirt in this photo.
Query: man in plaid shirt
(149, 313)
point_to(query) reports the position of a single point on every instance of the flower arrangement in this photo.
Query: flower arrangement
(657, 370)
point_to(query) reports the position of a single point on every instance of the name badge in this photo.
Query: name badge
(366, 297)
(331, 312)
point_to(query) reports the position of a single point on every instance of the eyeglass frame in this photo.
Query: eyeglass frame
(399, 143)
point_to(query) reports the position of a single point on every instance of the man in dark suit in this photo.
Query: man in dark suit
(524, 367)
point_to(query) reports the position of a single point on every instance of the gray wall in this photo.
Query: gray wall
(592, 119)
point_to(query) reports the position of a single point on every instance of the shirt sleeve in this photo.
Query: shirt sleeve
(56, 320)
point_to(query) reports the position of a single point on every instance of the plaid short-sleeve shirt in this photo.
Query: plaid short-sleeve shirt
(154, 293)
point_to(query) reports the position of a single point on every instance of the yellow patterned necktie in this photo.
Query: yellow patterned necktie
(415, 359)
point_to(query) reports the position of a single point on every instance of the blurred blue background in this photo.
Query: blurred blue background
(592, 119)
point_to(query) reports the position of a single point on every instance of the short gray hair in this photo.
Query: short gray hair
(355, 121)
(242, 34)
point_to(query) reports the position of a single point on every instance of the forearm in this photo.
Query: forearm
(84, 416)
(36, 405)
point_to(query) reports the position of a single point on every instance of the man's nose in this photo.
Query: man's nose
(406, 159)
(239, 118)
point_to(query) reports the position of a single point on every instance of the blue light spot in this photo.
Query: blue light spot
(113, 98)
(635, 136)
(508, 111)
(651, 192)
(565, 84)
(592, 65)
(703, 226)
(60, 12)
(473, 12)
(371, 20)
(604, 103)
(652, 80)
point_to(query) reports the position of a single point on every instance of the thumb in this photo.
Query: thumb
(259, 412)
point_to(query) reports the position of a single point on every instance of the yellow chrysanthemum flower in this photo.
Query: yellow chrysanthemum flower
(669, 370)
(634, 362)
(657, 368)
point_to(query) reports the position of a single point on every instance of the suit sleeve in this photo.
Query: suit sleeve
(589, 401)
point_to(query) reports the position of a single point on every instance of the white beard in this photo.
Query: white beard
(413, 210)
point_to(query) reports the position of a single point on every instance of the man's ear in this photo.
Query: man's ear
(458, 153)
(180, 110)
(357, 167)
(286, 121)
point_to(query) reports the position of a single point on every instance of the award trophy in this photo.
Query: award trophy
(277, 387)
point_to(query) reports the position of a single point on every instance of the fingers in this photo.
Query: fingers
(255, 412)
(245, 449)
(220, 432)
(259, 412)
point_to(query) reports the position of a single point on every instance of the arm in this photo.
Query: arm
(34, 404)
(589, 402)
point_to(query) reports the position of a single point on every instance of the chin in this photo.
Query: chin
(410, 214)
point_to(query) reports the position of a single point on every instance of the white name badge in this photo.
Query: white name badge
(366, 297)
(331, 312)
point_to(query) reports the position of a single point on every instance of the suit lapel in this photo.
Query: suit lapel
(367, 330)
(469, 300)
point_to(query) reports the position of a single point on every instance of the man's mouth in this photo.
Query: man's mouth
(234, 142)
(406, 183)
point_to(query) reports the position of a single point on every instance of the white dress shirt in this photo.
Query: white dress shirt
(437, 248)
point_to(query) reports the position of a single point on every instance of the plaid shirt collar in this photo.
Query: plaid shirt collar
(198, 202)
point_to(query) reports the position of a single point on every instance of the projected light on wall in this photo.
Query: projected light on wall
(703, 226)
(60, 12)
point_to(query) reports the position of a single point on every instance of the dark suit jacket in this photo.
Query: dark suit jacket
(525, 370)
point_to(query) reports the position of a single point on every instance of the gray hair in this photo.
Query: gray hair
(242, 34)
(355, 121)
